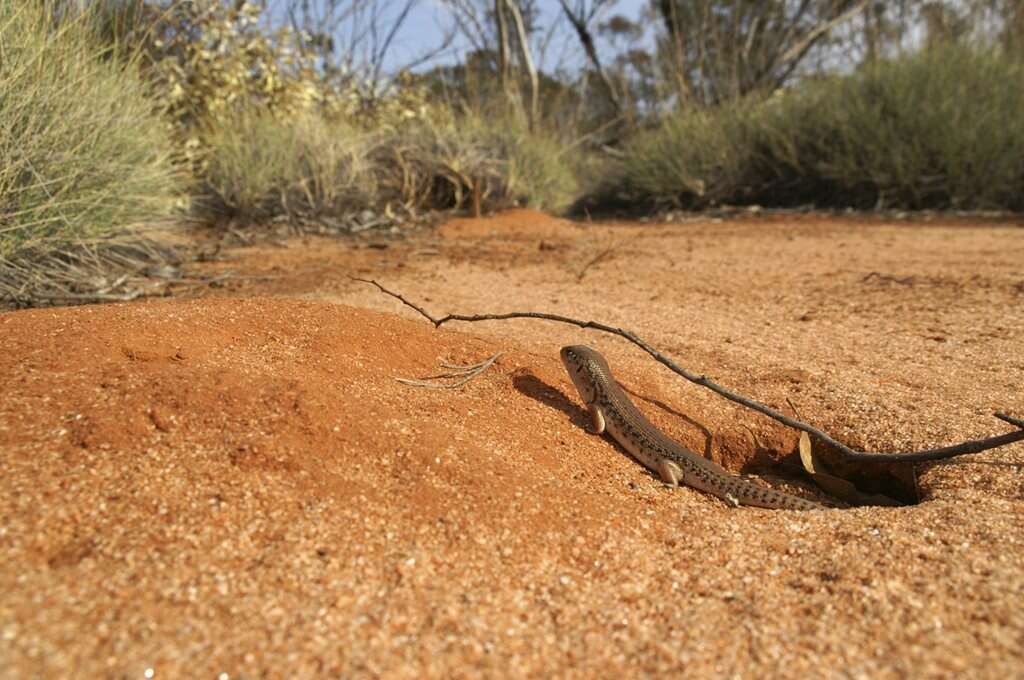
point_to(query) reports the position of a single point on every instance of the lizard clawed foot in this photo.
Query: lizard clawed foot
(597, 423)
(670, 472)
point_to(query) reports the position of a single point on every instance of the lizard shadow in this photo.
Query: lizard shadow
(538, 390)
(756, 457)
(552, 397)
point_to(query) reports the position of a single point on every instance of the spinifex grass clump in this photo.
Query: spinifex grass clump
(262, 167)
(694, 158)
(538, 164)
(466, 159)
(83, 154)
(310, 167)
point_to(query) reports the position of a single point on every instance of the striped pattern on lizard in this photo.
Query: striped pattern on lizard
(613, 412)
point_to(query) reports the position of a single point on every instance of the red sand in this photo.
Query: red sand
(239, 485)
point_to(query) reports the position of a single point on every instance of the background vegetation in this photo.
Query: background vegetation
(936, 129)
(84, 152)
(129, 113)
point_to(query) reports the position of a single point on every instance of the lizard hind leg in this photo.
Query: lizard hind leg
(670, 472)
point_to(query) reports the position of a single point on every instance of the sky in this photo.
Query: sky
(429, 20)
(425, 29)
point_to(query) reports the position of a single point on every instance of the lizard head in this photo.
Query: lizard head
(580, 362)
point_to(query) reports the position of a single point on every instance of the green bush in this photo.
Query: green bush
(542, 168)
(695, 158)
(468, 160)
(303, 167)
(536, 165)
(260, 166)
(83, 155)
(939, 129)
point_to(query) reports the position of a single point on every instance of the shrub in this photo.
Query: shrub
(694, 158)
(212, 62)
(470, 160)
(83, 155)
(938, 129)
(541, 171)
(305, 168)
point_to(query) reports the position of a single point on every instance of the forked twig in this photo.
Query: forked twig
(942, 453)
(1016, 422)
(596, 260)
(463, 373)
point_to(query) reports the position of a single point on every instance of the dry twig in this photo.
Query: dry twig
(596, 260)
(104, 271)
(463, 373)
(942, 453)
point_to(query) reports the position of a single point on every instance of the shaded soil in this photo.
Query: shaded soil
(238, 484)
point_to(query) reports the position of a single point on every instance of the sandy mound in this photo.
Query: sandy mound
(518, 224)
(242, 486)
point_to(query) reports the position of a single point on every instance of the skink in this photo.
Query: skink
(612, 411)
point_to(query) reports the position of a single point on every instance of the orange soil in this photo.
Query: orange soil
(239, 485)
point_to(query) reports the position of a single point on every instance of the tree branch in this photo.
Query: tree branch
(964, 448)
(523, 39)
(579, 23)
(795, 54)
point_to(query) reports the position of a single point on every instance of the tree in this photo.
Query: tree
(723, 49)
(581, 15)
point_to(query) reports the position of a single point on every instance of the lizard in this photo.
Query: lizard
(612, 411)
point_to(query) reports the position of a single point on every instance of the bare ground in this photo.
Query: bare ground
(238, 484)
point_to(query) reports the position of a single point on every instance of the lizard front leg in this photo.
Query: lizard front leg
(597, 423)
